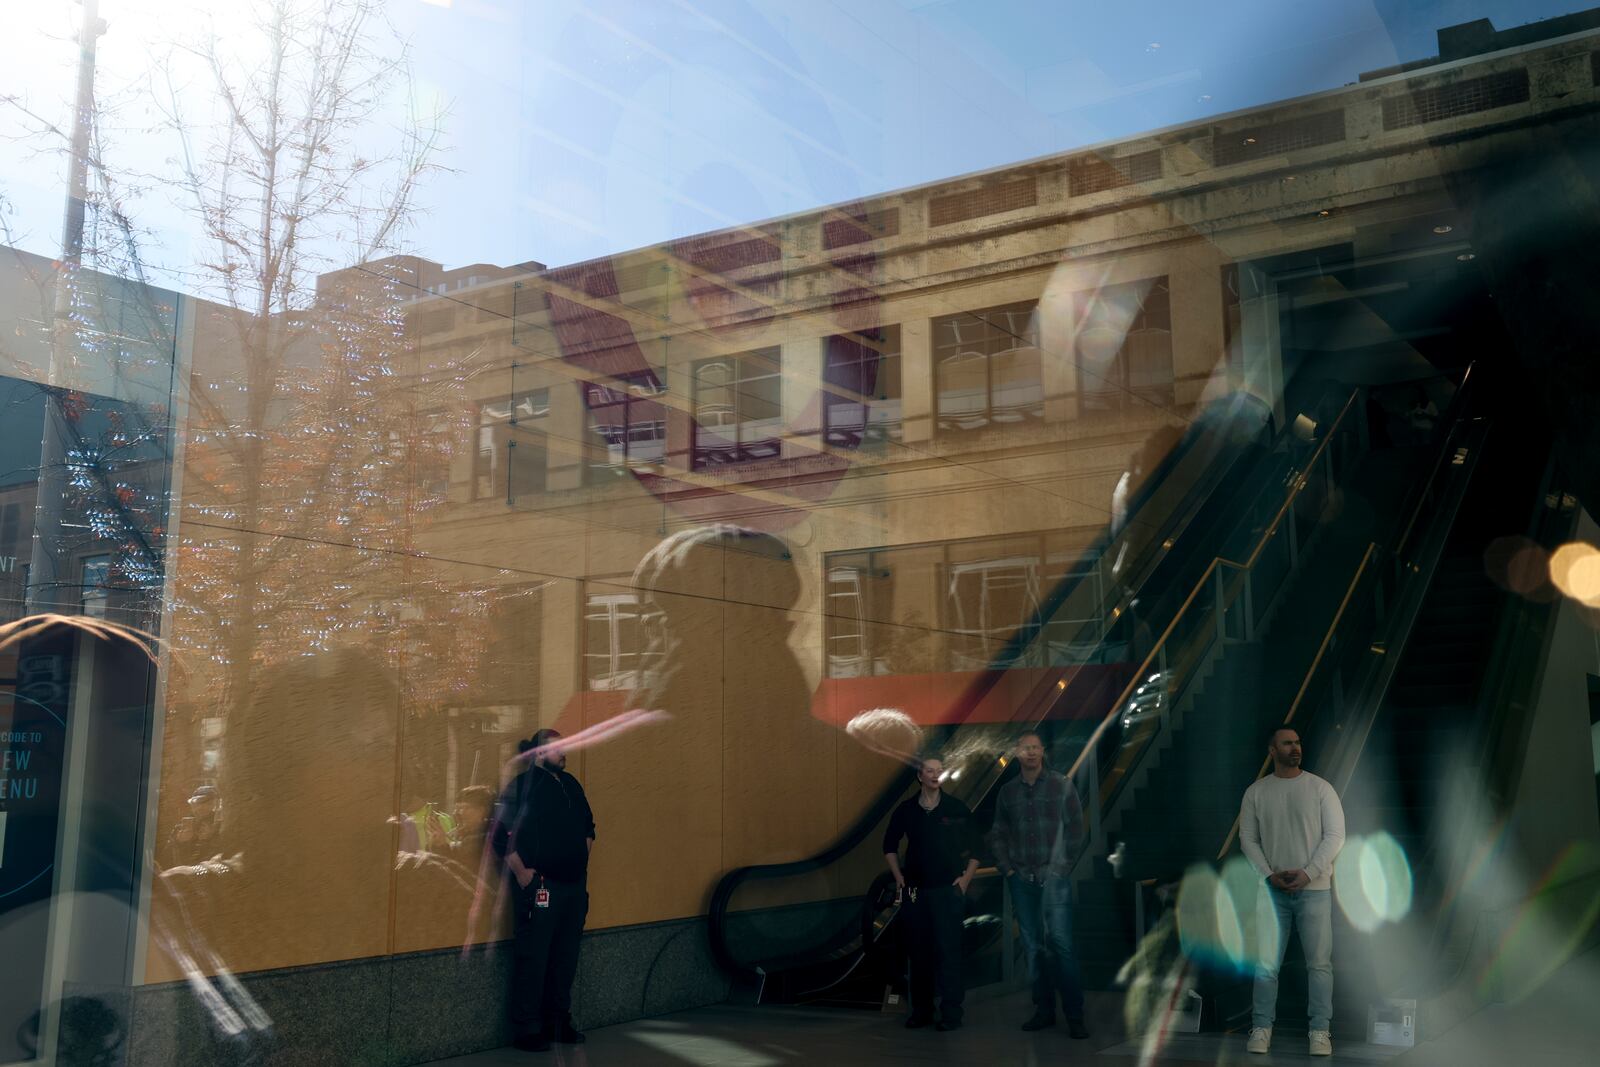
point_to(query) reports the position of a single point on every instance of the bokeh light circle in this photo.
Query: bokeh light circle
(1224, 921)
(1519, 565)
(1372, 881)
(1575, 570)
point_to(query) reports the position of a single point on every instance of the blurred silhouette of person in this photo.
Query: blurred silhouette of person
(1291, 827)
(1133, 488)
(1422, 415)
(198, 835)
(474, 808)
(425, 827)
(308, 772)
(686, 585)
(1037, 835)
(544, 829)
(941, 858)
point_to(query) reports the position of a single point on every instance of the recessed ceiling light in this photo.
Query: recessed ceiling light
(1249, 140)
(1467, 257)
(1324, 213)
(1443, 228)
(1288, 177)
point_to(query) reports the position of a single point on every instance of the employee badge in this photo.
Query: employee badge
(541, 899)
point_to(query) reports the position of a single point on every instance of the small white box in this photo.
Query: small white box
(1392, 1021)
(1186, 1019)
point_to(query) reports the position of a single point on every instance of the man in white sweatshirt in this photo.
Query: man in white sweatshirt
(1291, 827)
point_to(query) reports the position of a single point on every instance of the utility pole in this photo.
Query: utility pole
(46, 590)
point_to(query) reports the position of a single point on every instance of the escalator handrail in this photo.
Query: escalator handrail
(895, 791)
(1299, 485)
(1420, 570)
(1356, 581)
(1373, 688)
(1152, 559)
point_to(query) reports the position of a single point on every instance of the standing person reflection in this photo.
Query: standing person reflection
(1038, 832)
(545, 831)
(1291, 828)
(939, 865)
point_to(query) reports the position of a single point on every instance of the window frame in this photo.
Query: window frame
(741, 449)
(986, 347)
(1118, 383)
(889, 354)
(626, 391)
(494, 435)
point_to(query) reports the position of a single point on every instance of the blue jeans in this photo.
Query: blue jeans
(1044, 915)
(1311, 912)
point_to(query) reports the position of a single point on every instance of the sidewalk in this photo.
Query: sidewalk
(1555, 1026)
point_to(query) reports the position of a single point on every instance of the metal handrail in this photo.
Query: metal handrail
(1441, 462)
(1305, 684)
(1438, 465)
(1159, 647)
(730, 882)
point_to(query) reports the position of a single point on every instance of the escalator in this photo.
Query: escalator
(1233, 529)
(1433, 711)
(1183, 799)
(1398, 706)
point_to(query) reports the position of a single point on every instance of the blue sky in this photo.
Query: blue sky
(618, 123)
(583, 127)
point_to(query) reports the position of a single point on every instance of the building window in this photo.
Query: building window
(95, 589)
(10, 526)
(862, 401)
(429, 446)
(627, 425)
(737, 408)
(1124, 347)
(1030, 600)
(510, 457)
(988, 368)
(614, 650)
(847, 624)
(862, 632)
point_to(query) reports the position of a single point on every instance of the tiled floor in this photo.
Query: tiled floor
(1555, 1026)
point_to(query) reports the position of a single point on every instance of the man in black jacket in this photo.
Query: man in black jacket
(544, 830)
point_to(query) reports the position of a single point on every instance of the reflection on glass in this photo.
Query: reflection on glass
(988, 367)
(850, 409)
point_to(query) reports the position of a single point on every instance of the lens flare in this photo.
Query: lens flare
(1372, 881)
(1520, 566)
(1575, 570)
(1219, 918)
(1554, 923)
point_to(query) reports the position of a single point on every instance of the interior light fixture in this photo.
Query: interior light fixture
(1443, 228)
(1467, 257)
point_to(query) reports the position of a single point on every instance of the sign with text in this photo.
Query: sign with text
(33, 720)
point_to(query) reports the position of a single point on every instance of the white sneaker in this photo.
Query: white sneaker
(1321, 1043)
(1260, 1039)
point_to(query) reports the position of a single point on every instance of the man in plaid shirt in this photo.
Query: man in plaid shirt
(1037, 835)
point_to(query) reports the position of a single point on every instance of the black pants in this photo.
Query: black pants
(934, 924)
(545, 954)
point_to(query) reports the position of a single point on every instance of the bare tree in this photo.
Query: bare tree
(314, 424)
